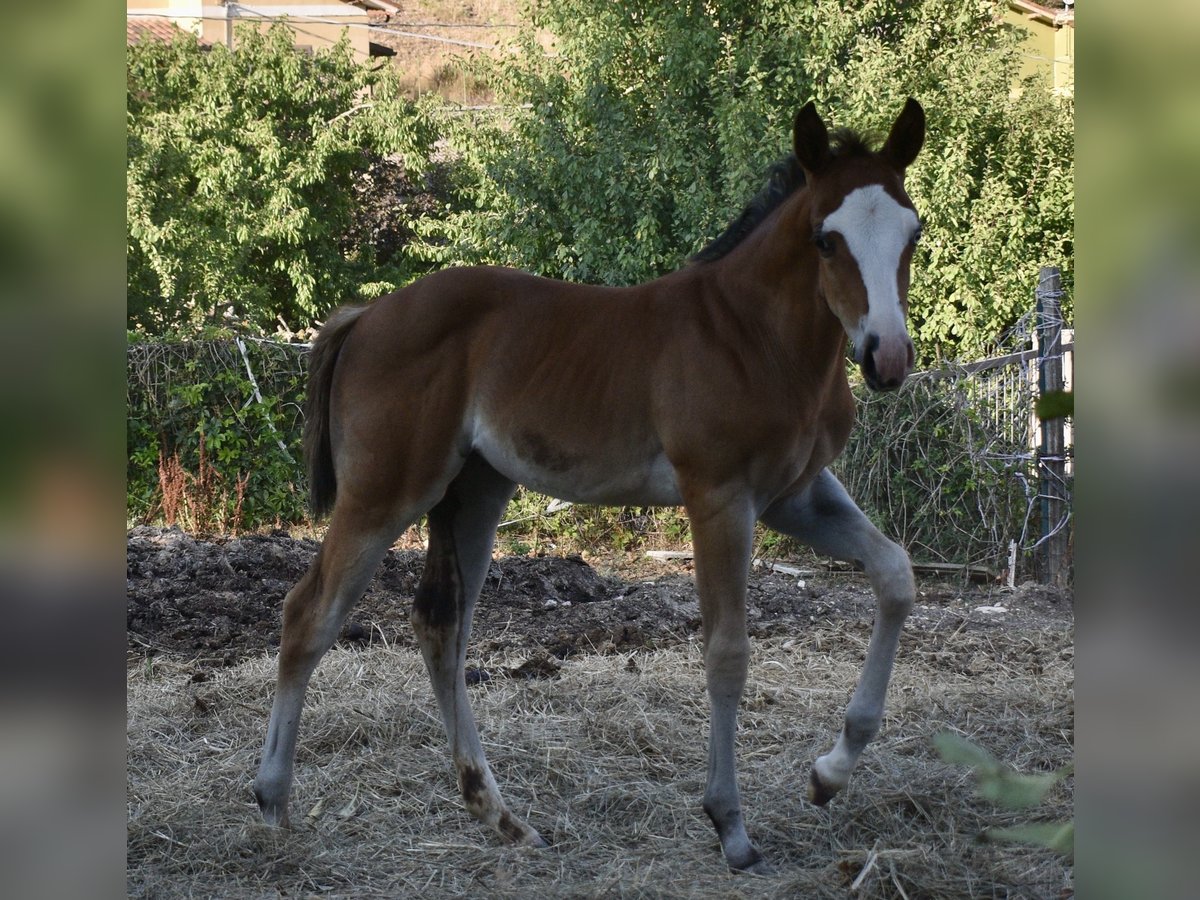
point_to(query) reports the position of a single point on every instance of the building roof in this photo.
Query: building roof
(384, 6)
(1053, 12)
(153, 28)
(157, 28)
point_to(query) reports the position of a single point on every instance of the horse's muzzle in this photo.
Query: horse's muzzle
(886, 363)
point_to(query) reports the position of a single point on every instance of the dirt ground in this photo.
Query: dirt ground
(465, 30)
(588, 684)
(217, 602)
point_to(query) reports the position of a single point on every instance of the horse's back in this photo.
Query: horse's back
(579, 391)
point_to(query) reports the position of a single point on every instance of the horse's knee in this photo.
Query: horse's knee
(891, 576)
(727, 657)
(438, 601)
(301, 635)
(298, 602)
(434, 611)
(437, 606)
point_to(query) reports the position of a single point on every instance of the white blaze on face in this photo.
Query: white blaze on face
(876, 230)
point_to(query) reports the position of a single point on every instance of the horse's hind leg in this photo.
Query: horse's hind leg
(462, 530)
(312, 615)
(825, 518)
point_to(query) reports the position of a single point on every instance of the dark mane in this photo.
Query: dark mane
(784, 178)
(846, 142)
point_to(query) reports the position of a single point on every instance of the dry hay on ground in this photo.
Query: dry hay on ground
(605, 755)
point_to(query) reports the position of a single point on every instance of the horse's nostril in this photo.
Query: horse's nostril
(872, 343)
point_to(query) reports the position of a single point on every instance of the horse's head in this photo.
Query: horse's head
(864, 228)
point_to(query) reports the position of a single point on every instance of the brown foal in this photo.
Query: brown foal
(721, 387)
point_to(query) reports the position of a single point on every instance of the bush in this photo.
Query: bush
(242, 168)
(209, 448)
(931, 468)
(647, 129)
(253, 197)
(212, 448)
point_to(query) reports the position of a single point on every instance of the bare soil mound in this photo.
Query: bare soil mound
(216, 602)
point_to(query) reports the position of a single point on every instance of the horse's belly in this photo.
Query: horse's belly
(606, 474)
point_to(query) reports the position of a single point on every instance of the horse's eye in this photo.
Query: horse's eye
(823, 244)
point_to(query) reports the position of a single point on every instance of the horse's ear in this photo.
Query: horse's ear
(907, 135)
(810, 138)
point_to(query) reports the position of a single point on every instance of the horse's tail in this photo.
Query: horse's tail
(318, 450)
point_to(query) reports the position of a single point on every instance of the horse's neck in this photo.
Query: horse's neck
(771, 279)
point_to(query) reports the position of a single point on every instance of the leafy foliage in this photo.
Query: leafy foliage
(648, 127)
(1007, 788)
(261, 181)
(1055, 405)
(241, 175)
(535, 523)
(208, 446)
(622, 150)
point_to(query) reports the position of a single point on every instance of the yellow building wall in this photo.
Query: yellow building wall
(1049, 50)
(1064, 59)
(314, 35)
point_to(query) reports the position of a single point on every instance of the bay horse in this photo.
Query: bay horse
(721, 387)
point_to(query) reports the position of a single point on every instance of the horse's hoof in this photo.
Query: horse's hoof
(516, 832)
(273, 814)
(277, 820)
(762, 867)
(753, 864)
(818, 793)
(536, 841)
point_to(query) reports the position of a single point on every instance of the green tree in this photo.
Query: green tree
(241, 174)
(648, 124)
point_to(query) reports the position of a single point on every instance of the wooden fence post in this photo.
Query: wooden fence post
(1052, 467)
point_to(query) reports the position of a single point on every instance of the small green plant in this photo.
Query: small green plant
(1055, 405)
(1006, 787)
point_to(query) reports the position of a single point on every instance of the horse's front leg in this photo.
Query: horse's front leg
(824, 517)
(722, 533)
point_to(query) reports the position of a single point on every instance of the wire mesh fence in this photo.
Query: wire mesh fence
(955, 466)
(213, 431)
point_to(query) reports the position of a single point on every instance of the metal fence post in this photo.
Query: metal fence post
(1052, 457)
